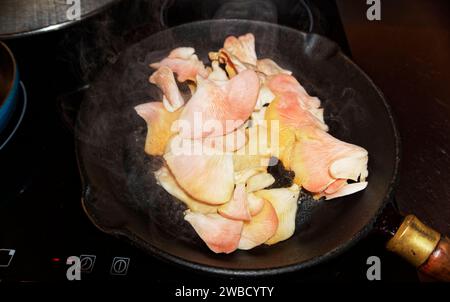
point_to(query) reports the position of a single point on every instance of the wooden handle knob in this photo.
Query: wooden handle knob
(423, 247)
(438, 264)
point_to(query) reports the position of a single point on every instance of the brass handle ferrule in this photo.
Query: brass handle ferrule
(414, 241)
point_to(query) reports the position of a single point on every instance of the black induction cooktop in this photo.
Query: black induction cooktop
(42, 222)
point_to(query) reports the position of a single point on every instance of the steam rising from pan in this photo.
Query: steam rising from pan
(98, 41)
(258, 10)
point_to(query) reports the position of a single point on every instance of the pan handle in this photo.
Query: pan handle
(422, 246)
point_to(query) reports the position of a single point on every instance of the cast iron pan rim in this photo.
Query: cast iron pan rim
(162, 255)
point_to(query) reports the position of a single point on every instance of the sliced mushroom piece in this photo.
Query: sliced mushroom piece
(258, 117)
(260, 228)
(223, 107)
(335, 186)
(165, 80)
(243, 48)
(221, 235)
(159, 126)
(284, 201)
(347, 190)
(287, 109)
(259, 182)
(314, 155)
(168, 182)
(254, 157)
(184, 63)
(228, 143)
(285, 135)
(351, 167)
(217, 73)
(283, 83)
(255, 204)
(265, 97)
(182, 53)
(269, 67)
(243, 175)
(204, 173)
(237, 208)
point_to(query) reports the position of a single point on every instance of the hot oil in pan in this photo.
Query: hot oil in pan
(165, 212)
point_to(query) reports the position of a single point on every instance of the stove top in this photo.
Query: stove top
(42, 222)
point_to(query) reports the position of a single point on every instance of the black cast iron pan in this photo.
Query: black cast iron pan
(120, 193)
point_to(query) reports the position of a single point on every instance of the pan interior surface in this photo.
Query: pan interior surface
(121, 195)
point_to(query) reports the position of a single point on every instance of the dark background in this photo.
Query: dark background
(407, 56)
